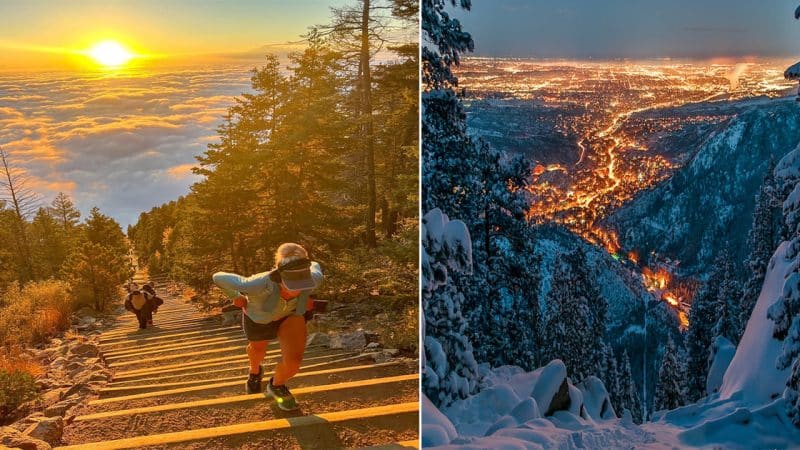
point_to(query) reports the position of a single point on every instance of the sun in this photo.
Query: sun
(110, 54)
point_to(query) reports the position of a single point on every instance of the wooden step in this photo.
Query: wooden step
(150, 334)
(193, 365)
(244, 398)
(111, 357)
(152, 359)
(243, 428)
(136, 348)
(134, 340)
(130, 385)
(231, 381)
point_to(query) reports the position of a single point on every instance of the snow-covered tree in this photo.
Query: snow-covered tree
(450, 367)
(728, 301)
(670, 391)
(703, 318)
(468, 179)
(449, 156)
(567, 333)
(610, 377)
(785, 312)
(628, 393)
(761, 242)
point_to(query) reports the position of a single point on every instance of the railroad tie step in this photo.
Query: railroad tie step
(244, 398)
(252, 427)
(228, 382)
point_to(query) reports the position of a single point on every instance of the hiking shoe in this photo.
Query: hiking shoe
(254, 381)
(282, 396)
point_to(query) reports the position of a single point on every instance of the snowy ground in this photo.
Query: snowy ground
(506, 415)
(511, 411)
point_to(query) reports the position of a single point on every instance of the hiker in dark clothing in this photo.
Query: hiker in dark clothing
(149, 290)
(138, 303)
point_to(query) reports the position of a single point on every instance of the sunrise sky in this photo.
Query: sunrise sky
(37, 34)
(110, 101)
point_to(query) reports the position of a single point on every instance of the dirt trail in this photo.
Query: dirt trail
(180, 384)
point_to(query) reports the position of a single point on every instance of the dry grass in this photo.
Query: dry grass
(13, 359)
(34, 313)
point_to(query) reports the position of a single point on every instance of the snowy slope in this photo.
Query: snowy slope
(723, 176)
(752, 376)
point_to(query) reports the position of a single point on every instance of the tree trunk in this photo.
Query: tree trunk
(16, 204)
(366, 112)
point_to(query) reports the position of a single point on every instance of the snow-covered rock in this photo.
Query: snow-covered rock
(595, 399)
(436, 427)
(722, 351)
(550, 381)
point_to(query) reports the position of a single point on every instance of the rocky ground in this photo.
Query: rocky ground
(74, 372)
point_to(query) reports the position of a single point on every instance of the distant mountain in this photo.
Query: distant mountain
(710, 201)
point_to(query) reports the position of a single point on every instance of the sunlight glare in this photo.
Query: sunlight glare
(110, 53)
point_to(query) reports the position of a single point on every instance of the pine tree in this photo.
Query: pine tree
(785, 312)
(95, 273)
(50, 244)
(64, 211)
(628, 392)
(702, 319)
(761, 243)
(567, 333)
(17, 194)
(728, 302)
(611, 378)
(671, 375)
(449, 157)
(106, 232)
(450, 369)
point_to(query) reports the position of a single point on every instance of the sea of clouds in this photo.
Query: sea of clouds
(122, 141)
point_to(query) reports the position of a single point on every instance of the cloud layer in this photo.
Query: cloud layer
(124, 142)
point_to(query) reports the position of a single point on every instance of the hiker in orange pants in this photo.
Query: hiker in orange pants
(275, 305)
(292, 339)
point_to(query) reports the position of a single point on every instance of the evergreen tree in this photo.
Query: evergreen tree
(106, 232)
(50, 244)
(628, 392)
(567, 328)
(611, 378)
(449, 157)
(95, 273)
(450, 370)
(702, 320)
(728, 302)
(63, 210)
(785, 312)
(761, 242)
(671, 375)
